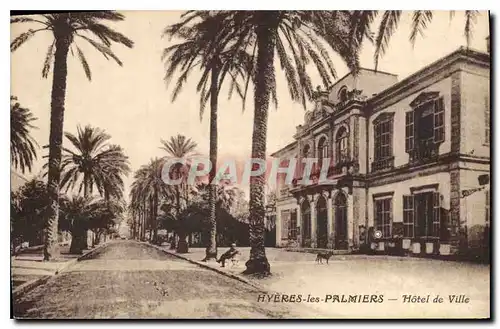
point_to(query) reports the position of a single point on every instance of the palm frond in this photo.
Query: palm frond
(84, 63)
(420, 20)
(21, 39)
(48, 60)
(470, 20)
(387, 27)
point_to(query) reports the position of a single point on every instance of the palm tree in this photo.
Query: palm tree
(180, 147)
(77, 212)
(147, 191)
(362, 21)
(304, 34)
(94, 163)
(193, 53)
(22, 144)
(66, 27)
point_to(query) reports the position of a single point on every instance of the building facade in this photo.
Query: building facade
(405, 161)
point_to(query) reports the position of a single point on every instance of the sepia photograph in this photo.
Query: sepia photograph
(250, 164)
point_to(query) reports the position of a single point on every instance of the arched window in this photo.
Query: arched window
(322, 150)
(305, 151)
(342, 94)
(341, 143)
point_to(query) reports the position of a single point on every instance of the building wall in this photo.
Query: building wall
(473, 207)
(474, 101)
(403, 188)
(464, 87)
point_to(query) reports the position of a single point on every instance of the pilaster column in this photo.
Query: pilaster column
(313, 201)
(329, 205)
(278, 227)
(350, 221)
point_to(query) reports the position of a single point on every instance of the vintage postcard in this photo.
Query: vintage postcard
(250, 164)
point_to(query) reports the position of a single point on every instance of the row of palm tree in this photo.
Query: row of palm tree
(77, 213)
(66, 28)
(149, 190)
(243, 44)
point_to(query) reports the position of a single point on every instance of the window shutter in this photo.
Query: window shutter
(436, 219)
(439, 120)
(410, 132)
(408, 216)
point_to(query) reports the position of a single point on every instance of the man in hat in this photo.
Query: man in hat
(228, 254)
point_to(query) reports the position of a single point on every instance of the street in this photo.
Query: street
(128, 279)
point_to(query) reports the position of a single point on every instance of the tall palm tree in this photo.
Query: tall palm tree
(193, 53)
(389, 22)
(94, 163)
(180, 147)
(22, 145)
(66, 27)
(148, 189)
(308, 36)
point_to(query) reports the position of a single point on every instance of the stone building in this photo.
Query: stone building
(404, 158)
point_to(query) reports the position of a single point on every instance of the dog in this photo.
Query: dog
(323, 255)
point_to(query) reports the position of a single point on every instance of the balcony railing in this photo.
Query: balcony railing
(424, 151)
(381, 164)
(284, 191)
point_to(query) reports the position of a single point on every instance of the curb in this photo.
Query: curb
(30, 285)
(37, 282)
(84, 256)
(201, 264)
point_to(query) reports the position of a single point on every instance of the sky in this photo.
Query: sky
(133, 104)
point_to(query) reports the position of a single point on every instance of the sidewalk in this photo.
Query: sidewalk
(29, 265)
(392, 277)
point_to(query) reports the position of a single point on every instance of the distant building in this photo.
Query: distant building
(403, 156)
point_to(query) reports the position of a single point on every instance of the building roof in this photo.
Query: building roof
(360, 69)
(460, 53)
(284, 148)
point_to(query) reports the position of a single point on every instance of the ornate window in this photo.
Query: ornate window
(341, 145)
(425, 126)
(383, 132)
(322, 150)
(292, 228)
(285, 224)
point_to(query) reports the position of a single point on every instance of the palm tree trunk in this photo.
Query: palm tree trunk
(258, 262)
(211, 251)
(182, 246)
(155, 215)
(85, 235)
(51, 247)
